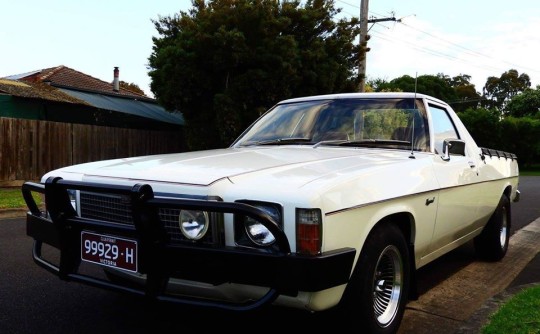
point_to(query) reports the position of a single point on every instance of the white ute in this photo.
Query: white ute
(325, 201)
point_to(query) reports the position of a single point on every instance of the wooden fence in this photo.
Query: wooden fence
(30, 148)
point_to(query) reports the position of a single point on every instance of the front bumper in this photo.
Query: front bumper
(279, 270)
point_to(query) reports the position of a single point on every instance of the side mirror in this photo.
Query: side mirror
(453, 147)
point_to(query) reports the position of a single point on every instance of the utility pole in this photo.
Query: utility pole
(363, 44)
(364, 37)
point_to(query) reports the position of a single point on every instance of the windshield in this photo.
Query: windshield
(389, 123)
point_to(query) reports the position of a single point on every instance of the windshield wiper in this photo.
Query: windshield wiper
(363, 142)
(330, 142)
(282, 141)
(374, 142)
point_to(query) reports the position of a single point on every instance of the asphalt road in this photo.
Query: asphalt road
(35, 301)
(527, 209)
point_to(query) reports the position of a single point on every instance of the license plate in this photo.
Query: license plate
(109, 251)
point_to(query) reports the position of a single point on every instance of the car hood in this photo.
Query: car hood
(293, 164)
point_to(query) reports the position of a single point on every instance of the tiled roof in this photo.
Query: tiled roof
(138, 107)
(68, 77)
(36, 91)
(64, 84)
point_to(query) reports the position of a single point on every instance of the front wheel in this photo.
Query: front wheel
(492, 243)
(378, 289)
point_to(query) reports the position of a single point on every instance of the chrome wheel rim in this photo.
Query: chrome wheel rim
(504, 228)
(387, 285)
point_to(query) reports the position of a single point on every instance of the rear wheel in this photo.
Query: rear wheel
(492, 243)
(377, 292)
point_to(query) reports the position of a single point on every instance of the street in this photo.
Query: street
(32, 300)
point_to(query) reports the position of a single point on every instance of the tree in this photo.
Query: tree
(225, 62)
(466, 94)
(468, 98)
(131, 87)
(458, 80)
(498, 91)
(483, 125)
(375, 85)
(525, 104)
(520, 136)
(435, 86)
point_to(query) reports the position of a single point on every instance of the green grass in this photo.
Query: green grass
(529, 172)
(519, 315)
(532, 170)
(11, 198)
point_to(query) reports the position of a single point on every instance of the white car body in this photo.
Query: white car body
(444, 201)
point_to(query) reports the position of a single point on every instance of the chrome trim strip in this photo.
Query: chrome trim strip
(416, 194)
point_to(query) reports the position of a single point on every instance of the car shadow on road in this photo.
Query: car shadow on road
(444, 267)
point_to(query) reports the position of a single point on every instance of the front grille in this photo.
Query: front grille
(107, 207)
(117, 209)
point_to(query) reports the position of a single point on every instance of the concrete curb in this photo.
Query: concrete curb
(13, 213)
(464, 301)
(481, 317)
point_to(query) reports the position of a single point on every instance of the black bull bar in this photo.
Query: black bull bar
(280, 270)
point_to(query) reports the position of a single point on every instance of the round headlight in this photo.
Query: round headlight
(258, 233)
(193, 224)
(73, 198)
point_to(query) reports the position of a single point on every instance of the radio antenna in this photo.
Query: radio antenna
(414, 116)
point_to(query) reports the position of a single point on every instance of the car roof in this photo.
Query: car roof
(363, 96)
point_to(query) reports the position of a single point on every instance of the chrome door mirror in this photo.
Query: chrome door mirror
(453, 147)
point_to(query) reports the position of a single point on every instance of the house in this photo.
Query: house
(62, 94)
(58, 116)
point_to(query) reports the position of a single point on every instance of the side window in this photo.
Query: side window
(443, 127)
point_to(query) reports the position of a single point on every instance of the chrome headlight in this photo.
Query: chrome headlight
(73, 198)
(193, 223)
(257, 232)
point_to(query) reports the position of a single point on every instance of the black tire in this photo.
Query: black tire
(492, 243)
(378, 289)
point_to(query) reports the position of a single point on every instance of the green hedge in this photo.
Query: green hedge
(518, 135)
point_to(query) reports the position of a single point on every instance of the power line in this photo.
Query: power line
(433, 52)
(446, 41)
(467, 51)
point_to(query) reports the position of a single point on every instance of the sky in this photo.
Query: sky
(479, 38)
